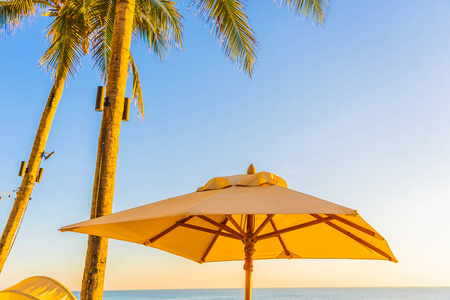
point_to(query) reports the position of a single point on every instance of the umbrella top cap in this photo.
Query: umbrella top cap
(251, 179)
(251, 170)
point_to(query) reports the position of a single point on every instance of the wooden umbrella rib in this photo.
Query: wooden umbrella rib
(250, 225)
(157, 237)
(202, 260)
(355, 238)
(221, 226)
(235, 224)
(263, 224)
(208, 230)
(280, 239)
(357, 227)
(292, 228)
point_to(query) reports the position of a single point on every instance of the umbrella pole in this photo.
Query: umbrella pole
(248, 267)
(249, 250)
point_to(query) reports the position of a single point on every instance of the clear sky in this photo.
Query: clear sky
(357, 113)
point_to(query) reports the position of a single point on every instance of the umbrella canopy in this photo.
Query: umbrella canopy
(256, 212)
(37, 287)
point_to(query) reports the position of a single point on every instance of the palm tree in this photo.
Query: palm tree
(158, 23)
(68, 45)
(230, 23)
(76, 23)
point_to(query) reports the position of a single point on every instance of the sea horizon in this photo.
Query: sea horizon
(322, 293)
(271, 288)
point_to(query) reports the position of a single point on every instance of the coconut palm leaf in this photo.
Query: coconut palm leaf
(14, 12)
(316, 8)
(231, 25)
(137, 92)
(103, 12)
(67, 35)
(158, 24)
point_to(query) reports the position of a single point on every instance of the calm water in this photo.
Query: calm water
(285, 294)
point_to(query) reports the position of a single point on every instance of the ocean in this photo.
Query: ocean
(285, 294)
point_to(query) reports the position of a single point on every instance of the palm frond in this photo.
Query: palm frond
(14, 12)
(158, 23)
(87, 28)
(231, 25)
(316, 8)
(102, 15)
(137, 92)
(67, 38)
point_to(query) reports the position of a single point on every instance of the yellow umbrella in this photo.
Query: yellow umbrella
(37, 288)
(256, 213)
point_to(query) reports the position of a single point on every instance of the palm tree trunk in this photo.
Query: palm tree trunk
(108, 148)
(26, 187)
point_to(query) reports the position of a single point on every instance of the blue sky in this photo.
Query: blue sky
(355, 112)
